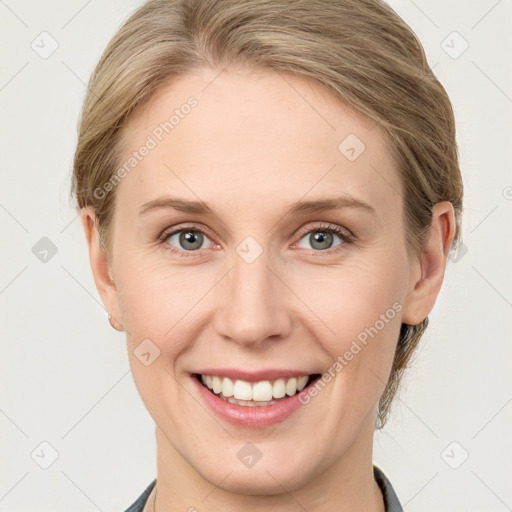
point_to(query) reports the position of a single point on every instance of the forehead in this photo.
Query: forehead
(244, 137)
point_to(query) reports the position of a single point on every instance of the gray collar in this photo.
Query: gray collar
(390, 498)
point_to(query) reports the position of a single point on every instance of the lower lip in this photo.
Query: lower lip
(246, 416)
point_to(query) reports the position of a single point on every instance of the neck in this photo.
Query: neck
(346, 485)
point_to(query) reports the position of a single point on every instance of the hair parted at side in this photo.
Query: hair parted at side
(361, 51)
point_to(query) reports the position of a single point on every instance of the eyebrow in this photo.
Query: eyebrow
(298, 207)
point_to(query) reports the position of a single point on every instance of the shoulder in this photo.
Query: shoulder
(139, 503)
(390, 498)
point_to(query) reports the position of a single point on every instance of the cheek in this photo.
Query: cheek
(360, 308)
(352, 297)
(160, 301)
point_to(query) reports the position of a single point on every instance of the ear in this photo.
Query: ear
(100, 265)
(427, 276)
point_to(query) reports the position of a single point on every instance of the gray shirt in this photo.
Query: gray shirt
(390, 498)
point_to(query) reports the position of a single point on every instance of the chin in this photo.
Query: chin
(257, 482)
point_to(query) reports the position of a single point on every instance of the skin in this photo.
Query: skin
(255, 143)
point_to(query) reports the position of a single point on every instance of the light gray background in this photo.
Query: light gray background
(64, 374)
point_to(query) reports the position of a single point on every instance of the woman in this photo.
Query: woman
(269, 191)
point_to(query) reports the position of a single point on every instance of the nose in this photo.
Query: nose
(252, 306)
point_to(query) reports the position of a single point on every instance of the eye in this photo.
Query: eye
(185, 240)
(321, 237)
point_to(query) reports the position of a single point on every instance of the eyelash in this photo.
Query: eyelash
(346, 236)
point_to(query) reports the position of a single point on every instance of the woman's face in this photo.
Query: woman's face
(256, 282)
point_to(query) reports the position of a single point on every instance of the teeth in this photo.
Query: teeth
(246, 403)
(217, 385)
(279, 388)
(263, 391)
(243, 390)
(291, 387)
(228, 388)
(301, 383)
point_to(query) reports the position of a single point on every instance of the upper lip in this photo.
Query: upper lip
(254, 376)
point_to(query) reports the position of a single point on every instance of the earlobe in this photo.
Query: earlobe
(426, 281)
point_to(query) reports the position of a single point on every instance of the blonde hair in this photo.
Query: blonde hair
(361, 51)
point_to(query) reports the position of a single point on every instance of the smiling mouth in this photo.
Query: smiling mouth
(262, 393)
